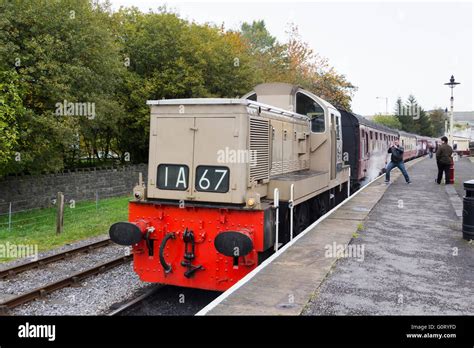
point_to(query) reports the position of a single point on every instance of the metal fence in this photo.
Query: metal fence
(46, 219)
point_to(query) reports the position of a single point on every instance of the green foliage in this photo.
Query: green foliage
(313, 72)
(423, 124)
(406, 121)
(11, 106)
(257, 36)
(55, 53)
(62, 50)
(414, 119)
(438, 117)
(172, 58)
(388, 120)
(296, 63)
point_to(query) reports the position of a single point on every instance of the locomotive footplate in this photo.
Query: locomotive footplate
(189, 243)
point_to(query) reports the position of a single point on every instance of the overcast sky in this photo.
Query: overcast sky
(385, 49)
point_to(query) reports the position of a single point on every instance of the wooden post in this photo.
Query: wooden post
(60, 214)
(10, 218)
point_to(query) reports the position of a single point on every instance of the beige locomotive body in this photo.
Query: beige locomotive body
(238, 151)
(230, 181)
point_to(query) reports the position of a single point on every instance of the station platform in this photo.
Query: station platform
(392, 249)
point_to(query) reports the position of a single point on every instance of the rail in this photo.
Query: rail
(53, 258)
(136, 300)
(62, 283)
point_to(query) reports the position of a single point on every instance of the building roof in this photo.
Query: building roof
(464, 116)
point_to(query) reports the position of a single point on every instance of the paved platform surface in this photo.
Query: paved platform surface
(289, 284)
(415, 262)
(464, 170)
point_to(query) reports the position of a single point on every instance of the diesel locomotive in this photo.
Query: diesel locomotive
(230, 181)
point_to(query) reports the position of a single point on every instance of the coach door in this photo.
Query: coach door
(333, 146)
(339, 159)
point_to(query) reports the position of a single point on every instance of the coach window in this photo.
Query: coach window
(307, 106)
(366, 143)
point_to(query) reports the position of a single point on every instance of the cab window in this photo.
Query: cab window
(338, 127)
(307, 106)
(252, 97)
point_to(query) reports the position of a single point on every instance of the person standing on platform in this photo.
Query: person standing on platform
(443, 160)
(430, 150)
(396, 161)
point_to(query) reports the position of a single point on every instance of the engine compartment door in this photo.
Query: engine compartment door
(217, 159)
(170, 171)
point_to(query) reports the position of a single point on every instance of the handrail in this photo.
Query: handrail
(291, 206)
(228, 101)
(276, 205)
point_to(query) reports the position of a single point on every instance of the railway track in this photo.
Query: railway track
(62, 283)
(10, 272)
(133, 302)
(70, 280)
(169, 300)
(158, 300)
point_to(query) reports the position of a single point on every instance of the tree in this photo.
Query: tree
(414, 119)
(387, 120)
(309, 70)
(63, 51)
(258, 37)
(171, 58)
(438, 117)
(11, 107)
(404, 115)
(423, 124)
(268, 56)
(69, 53)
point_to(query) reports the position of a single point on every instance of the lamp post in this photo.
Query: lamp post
(386, 103)
(446, 122)
(452, 83)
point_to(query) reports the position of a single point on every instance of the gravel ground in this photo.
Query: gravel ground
(98, 294)
(32, 279)
(94, 296)
(58, 250)
(173, 300)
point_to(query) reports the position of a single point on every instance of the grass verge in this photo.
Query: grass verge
(84, 220)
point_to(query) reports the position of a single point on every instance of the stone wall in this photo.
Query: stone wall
(37, 191)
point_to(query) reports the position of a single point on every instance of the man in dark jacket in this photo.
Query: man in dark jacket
(443, 159)
(396, 161)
